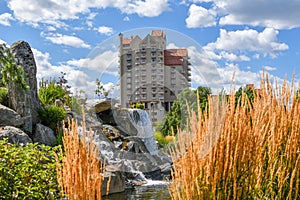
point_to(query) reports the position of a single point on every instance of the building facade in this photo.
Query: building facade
(151, 74)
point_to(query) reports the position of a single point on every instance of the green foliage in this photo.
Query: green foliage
(248, 91)
(178, 116)
(27, 172)
(161, 138)
(51, 115)
(100, 89)
(49, 92)
(3, 96)
(10, 71)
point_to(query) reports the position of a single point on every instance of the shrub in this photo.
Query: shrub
(162, 141)
(51, 115)
(27, 172)
(3, 96)
(249, 151)
(49, 92)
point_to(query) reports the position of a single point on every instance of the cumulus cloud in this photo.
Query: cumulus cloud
(67, 40)
(5, 19)
(269, 68)
(105, 30)
(55, 12)
(200, 17)
(78, 79)
(147, 8)
(106, 62)
(264, 42)
(279, 14)
(2, 42)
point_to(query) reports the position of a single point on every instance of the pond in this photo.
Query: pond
(145, 192)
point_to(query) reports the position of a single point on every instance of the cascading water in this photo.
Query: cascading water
(141, 121)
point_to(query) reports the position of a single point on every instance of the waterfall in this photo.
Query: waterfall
(141, 121)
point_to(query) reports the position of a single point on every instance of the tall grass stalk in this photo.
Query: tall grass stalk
(80, 173)
(250, 151)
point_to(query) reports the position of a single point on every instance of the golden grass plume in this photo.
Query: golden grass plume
(249, 151)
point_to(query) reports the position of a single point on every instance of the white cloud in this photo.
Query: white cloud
(200, 17)
(77, 79)
(105, 30)
(279, 14)
(106, 62)
(2, 42)
(67, 40)
(126, 19)
(147, 8)
(55, 12)
(269, 68)
(264, 42)
(5, 19)
(233, 57)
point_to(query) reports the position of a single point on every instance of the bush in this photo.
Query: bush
(3, 96)
(51, 115)
(162, 141)
(49, 92)
(27, 172)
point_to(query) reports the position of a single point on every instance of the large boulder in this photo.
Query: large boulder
(102, 105)
(14, 135)
(26, 103)
(9, 117)
(44, 135)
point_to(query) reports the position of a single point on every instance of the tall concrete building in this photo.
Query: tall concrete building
(151, 74)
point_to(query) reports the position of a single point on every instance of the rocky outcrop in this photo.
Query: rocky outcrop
(9, 117)
(26, 103)
(102, 105)
(14, 135)
(113, 182)
(44, 135)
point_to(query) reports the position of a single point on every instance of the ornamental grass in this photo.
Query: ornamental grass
(241, 150)
(80, 173)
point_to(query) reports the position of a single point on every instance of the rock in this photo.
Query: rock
(102, 105)
(116, 183)
(9, 117)
(26, 103)
(44, 135)
(107, 117)
(14, 135)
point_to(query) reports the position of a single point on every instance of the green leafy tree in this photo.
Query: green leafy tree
(203, 93)
(250, 92)
(186, 100)
(10, 71)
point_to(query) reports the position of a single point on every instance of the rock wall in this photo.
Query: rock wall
(26, 103)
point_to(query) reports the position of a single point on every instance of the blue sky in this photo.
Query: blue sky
(223, 37)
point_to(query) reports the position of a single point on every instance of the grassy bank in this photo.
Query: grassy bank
(241, 150)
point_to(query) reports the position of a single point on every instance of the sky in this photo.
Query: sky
(228, 41)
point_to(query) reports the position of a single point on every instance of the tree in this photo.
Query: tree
(249, 93)
(203, 93)
(178, 115)
(10, 71)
